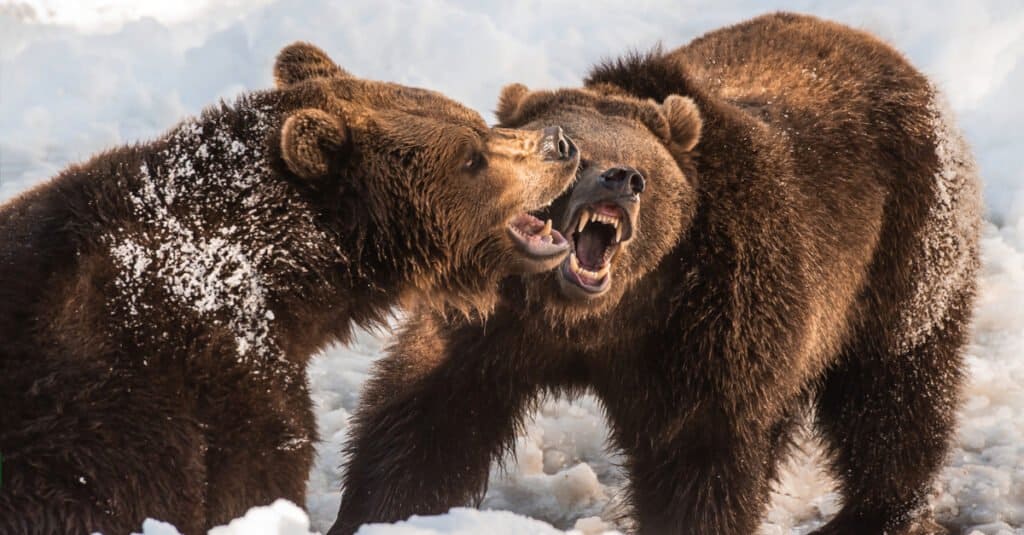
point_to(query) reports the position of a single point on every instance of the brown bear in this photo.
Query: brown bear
(159, 303)
(777, 219)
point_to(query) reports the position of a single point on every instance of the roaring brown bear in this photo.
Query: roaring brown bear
(158, 304)
(775, 217)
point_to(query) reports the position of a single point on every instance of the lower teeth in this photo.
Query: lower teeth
(596, 275)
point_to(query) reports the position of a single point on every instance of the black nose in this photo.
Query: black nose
(556, 144)
(623, 179)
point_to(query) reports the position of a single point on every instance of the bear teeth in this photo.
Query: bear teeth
(607, 219)
(584, 219)
(586, 216)
(574, 264)
(546, 231)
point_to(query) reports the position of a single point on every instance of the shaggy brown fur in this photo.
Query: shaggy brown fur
(158, 304)
(816, 247)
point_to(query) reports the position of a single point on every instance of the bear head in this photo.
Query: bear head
(635, 193)
(423, 186)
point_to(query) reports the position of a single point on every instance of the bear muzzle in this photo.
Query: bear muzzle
(602, 215)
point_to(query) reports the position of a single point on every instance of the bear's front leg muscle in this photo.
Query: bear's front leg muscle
(708, 475)
(437, 411)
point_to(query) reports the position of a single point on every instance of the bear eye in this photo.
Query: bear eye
(474, 162)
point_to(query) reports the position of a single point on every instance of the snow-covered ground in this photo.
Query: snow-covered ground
(77, 76)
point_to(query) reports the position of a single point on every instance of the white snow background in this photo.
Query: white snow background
(78, 76)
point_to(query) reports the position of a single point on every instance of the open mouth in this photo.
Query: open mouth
(542, 246)
(599, 230)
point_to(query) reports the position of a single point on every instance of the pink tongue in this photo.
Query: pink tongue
(590, 249)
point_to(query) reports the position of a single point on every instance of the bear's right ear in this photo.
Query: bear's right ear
(508, 102)
(301, 61)
(684, 122)
(309, 138)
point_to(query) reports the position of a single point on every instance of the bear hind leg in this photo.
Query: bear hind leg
(886, 419)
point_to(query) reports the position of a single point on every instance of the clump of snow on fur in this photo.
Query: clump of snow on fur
(212, 230)
(950, 259)
(216, 272)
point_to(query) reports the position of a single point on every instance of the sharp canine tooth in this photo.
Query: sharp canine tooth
(547, 228)
(584, 219)
(604, 270)
(618, 234)
(574, 263)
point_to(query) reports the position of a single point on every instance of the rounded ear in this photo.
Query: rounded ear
(508, 102)
(308, 139)
(684, 121)
(301, 61)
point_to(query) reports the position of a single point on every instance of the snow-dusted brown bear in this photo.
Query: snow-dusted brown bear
(158, 304)
(777, 216)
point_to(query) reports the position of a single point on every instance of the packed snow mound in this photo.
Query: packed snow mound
(285, 518)
(461, 521)
(79, 76)
(280, 518)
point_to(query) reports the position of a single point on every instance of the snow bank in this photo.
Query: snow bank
(280, 518)
(461, 521)
(285, 518)
(78, 76)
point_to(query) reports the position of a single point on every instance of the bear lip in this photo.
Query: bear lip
(583, 284)
(536, 239)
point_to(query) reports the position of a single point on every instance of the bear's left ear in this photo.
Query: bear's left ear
(508, 102)
(309, 139)
(301, 61)
(684, 122)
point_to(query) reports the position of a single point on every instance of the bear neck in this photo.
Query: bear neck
(213, 234)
